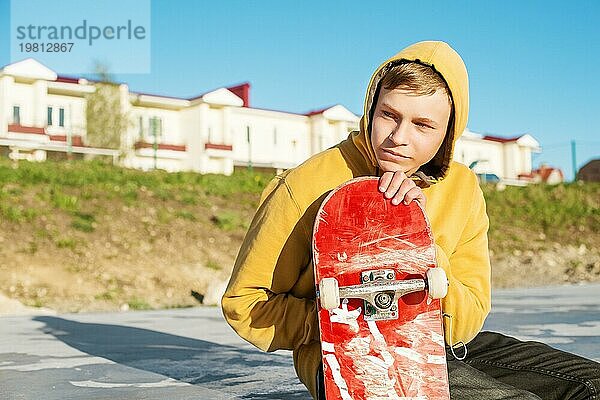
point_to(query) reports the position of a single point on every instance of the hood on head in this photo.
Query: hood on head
(443, 59)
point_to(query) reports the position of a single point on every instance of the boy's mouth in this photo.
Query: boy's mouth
(395, 156)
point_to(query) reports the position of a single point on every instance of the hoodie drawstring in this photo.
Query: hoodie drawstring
(461, 343)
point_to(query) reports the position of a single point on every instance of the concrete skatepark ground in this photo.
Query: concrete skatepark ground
(193, 354)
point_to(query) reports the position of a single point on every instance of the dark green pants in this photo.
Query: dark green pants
(500, 367)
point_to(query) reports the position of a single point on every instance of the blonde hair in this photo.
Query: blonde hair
(418, 78)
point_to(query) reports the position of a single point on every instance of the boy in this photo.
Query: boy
(416, 107)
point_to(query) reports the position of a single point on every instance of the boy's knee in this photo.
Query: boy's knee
(591, 388)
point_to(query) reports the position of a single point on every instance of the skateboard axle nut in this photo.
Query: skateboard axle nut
(383, 300)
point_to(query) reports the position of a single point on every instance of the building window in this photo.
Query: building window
(275, 136)
(141, 131)
(61, 117)
(49, 116)
(16, 115)
(210, 139)
(155, 126)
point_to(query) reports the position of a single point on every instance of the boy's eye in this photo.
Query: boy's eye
(387, 114)
(423, 125)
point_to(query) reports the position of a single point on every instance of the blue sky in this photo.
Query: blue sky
(532, 64)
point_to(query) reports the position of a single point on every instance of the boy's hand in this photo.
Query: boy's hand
(398, 187)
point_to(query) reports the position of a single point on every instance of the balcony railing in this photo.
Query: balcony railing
(215, 146)
(76, 140)
(17, 128)
(160, 146)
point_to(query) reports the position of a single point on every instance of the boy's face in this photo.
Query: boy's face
(408, 130)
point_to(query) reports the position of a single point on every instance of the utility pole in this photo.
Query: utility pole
(574, 159)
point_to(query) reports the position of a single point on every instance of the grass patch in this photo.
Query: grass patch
(189, 199)
(138, 304)
(38, 303)
(18, 214)
(183, 214)
(164, 216)
(130, 192)
(109, 295)
(44, 233)
(66, 243)
(84, 222)
(163, 193)
(41, 196)
(31, 248)
(212, 264)
(565, 213)
(63, 201)
(124, 182)
(228, 220)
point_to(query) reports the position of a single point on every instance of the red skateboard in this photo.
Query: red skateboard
(378, 297)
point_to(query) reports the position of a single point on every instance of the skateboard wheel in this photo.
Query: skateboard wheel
(437, 281)
(329, 294)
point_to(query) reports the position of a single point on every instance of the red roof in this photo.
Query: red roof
(544, 172)
(229, 88)
(525, 176)
(319, 111)
(242, 91)
(501, 139)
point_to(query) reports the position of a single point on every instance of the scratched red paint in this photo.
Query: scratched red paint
(357, 229)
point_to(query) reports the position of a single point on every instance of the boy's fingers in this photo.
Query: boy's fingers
(385, 180)
(415, 194)
(406, 186)
(395, 184)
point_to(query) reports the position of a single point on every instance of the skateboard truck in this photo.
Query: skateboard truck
(380, 291)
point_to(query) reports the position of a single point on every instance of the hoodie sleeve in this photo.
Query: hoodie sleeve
(276, 250)
(468, 268)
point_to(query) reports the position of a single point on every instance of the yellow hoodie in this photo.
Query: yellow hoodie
(270, 299)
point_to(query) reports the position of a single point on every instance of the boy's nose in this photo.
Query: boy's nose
(400, 135)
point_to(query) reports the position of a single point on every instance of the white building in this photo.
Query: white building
(507, 158)
(43, 115)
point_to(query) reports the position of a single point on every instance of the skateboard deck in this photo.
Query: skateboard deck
(377, 342)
